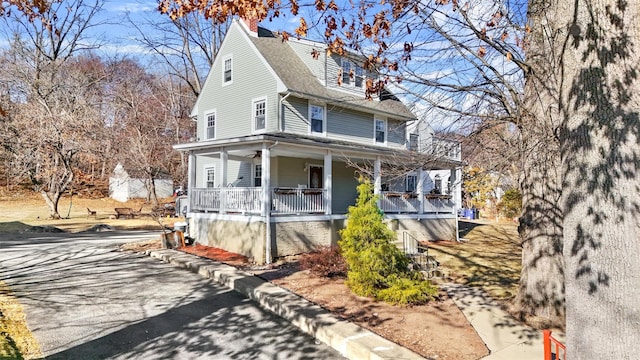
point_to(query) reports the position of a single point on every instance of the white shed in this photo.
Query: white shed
(124, 185)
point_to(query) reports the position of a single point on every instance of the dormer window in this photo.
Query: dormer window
(353, 75)
(346, 72)
(228, 68)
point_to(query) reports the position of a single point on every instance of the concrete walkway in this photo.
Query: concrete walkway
(505, 337)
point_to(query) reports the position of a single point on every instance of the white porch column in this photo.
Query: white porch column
(328, 185)
(377, 184)
(420, 190)
(266, 199)
(224, 158)
(191, 178)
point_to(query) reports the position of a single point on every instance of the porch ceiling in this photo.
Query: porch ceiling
(299, 146)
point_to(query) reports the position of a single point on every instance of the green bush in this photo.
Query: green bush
(510, 204)
(374, 263)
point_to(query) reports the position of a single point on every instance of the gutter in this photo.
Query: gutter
(280, 112)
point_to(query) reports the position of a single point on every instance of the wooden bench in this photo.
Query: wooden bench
(92, 213)
(127, 213)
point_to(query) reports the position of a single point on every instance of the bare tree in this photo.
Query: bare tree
(147, 120)
(55, 98)
(187, 46)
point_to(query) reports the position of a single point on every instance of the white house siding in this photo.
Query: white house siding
(250, 79)
(303, 50)
(296, 114)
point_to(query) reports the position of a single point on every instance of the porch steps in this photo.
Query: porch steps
(418, 254)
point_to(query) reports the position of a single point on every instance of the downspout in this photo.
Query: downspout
(281, 112)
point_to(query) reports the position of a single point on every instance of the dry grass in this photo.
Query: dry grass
(16, 341)
(490, 258)
(19, 212)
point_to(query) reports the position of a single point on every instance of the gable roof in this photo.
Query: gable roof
(299, 79)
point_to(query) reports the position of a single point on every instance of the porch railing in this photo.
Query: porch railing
(243, 200)
(249, 200)
(298, 201)
(394, 202)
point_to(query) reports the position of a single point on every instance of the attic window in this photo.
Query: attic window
(352, 74)
(228, 67)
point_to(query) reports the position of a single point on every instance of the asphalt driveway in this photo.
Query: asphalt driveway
(86, 300)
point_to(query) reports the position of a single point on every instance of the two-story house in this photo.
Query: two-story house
(280, 137)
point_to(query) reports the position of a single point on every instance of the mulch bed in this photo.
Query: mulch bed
(216, 254)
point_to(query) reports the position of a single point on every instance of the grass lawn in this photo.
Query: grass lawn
(489, 258)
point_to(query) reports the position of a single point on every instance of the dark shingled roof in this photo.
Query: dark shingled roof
(297, 77)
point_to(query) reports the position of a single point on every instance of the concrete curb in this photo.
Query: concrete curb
(349, 339)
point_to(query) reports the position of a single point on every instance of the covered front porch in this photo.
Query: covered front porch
(268, 196)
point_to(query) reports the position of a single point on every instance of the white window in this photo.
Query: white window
(317, 118)
(353, 75)
(260, 114)
(411, 182)
(228, 68)
(211, 125)
(257, 175)
(380, 135)
(346, 72)
(210, 177)
(413, 142)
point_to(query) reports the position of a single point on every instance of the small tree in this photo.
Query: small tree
(510, 204)
(376, 267)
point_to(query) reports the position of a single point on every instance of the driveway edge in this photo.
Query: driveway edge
(350, 340)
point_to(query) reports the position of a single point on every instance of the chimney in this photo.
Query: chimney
(252, 25)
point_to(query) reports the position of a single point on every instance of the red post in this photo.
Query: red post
(547, 344)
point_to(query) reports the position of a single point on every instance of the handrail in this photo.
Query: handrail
(553, 348)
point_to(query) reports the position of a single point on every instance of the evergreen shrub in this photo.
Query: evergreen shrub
(376, 267)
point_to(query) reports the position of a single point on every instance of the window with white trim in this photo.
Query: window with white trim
(346, 72)
(210, 177)
(257, 175)
(411, 183)
(353, 75)
(211, 125)
(260, 114)
(380, 135)
(317, 118)
(413, 142)
(228, 68)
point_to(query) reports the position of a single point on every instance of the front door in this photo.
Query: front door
(315, 177)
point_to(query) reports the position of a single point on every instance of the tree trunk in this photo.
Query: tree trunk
(541, 290)
(600, 140)
(152, 191)
(52, 201)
